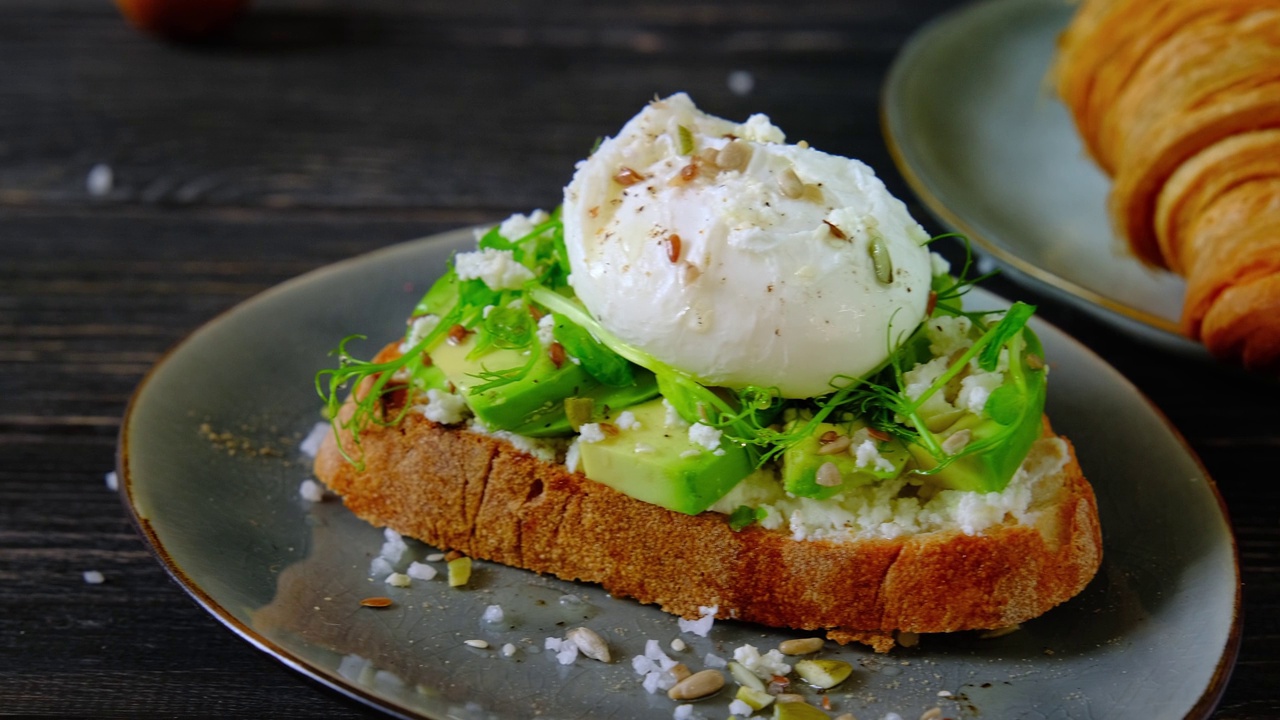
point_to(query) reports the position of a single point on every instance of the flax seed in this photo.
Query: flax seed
(673, 248)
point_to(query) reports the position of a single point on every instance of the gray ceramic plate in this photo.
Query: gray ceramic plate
(973, 122)
(211, 469)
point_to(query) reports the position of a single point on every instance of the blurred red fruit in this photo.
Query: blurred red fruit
(182, 19)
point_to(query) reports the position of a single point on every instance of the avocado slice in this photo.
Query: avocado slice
(661, 466)
(533, 405)
(801, 461)
(1020, 423)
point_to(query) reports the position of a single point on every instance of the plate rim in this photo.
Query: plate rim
(901, 155)
(1203, 707)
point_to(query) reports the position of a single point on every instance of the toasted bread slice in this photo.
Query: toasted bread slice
(480, 495)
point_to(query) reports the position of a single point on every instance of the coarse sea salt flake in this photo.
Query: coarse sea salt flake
(380, 567)
(493, 614)
(399, 580)
(568, 653)
(113, 482)
(702, 625)
(394, 547)
(93, 577)
(421, 571)
(311, 491)
(311, 443)
(100, 180)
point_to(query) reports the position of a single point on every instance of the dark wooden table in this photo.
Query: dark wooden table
(321, 129)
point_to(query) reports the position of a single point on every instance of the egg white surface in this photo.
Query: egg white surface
(768, 288)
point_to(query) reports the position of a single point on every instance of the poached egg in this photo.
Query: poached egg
(726, 253)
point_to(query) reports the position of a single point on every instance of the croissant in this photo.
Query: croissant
(1179, 100)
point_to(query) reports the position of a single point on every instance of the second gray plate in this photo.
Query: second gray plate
(971, 118)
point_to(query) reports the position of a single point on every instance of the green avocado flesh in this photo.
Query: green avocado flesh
(534, 404)
(991, 469)
(670, 470)
(801, 461)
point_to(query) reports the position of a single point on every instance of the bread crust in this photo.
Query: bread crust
(481, 496)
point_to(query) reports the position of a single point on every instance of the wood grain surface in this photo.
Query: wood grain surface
(321, 129)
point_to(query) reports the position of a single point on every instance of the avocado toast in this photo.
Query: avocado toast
(576, 397)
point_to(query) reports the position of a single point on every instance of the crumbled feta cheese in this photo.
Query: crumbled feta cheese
(546, 329)
(493, 614)
(737, 707)
(572, 456)
(883, 510)
(93, 577)
(399, 580)
(644, 448)
(764, 666)
(113, 482)
(948, 334)
(939, 265)
(496, 268)
(311, 491)
(702, 625)
(678, 645)
(444, 408)
(673, 418)
(704, 435)
(682, 712)
(714, 661)
(311, 443)
(421, 571)
(868, 455)
(519, 226)
(976, 389)
(590, 433)
(757, 128)
(544, 449)
(419, 328)
(485, 312)
(627, 421)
